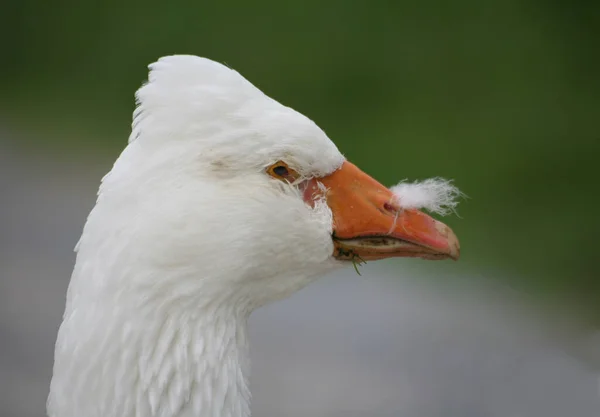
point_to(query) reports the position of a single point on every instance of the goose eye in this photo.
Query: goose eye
(281, 171)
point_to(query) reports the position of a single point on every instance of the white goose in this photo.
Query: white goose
(223, 201)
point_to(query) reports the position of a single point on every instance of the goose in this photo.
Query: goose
(222, 201)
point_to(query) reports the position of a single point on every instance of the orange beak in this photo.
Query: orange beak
(369, 224)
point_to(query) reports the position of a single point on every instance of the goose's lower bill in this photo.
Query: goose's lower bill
(369, 223)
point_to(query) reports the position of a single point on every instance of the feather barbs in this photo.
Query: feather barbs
(437, 195)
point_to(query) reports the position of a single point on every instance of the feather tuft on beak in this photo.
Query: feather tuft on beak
(436, 195)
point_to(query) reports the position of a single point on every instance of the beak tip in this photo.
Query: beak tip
(453, 246)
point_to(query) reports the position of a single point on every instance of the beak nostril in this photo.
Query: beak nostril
(391, 208)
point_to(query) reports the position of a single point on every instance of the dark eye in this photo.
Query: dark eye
(281, 171)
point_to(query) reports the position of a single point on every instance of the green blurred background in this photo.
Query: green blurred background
(503, 97)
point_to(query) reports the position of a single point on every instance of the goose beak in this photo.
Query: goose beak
(369, 224)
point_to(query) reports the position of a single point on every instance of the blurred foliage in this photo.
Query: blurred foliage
(502, 96)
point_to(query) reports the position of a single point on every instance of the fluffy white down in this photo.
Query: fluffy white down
(436, 195)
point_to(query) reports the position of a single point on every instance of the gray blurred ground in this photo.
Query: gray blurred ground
(375, 345)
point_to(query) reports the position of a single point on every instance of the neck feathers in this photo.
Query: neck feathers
(126, 363)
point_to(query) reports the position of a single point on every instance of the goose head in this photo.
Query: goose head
(222, 201)
(224, 183)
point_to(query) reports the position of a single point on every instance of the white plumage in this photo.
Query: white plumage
(188, 237)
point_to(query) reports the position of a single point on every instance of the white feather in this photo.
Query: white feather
(436, 195)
